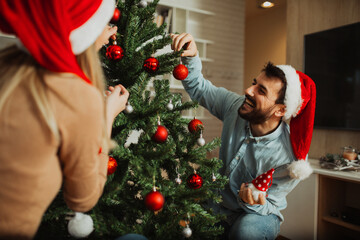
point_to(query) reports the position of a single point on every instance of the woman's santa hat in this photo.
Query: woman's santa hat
(261, 184)
(54, 31)
(300, 98)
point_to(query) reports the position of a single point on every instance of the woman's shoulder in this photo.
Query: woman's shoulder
(70, 85)
(67, 90)
(69, 82)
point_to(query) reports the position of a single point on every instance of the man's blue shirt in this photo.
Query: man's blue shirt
(245, 157)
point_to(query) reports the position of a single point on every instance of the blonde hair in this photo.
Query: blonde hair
(16, 66)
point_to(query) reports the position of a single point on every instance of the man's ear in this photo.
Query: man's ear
(281, 109)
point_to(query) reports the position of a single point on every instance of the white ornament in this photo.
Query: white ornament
(143, 4)
(81, 225)
(178, 180)
(128, 109)
(201, 141)
(170, 106)
(213, 177)
(187, 232)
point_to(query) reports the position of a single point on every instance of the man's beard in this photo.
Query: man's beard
(256, 116)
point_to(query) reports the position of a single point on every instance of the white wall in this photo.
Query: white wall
(309, 16)
(6, 40)
(300, 216)
(226, 28)
(265, 40)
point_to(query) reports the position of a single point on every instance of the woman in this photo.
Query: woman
(54, 123)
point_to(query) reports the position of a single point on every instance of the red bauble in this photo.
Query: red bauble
(160, 135)
(112, 165)
(151, 65)
(114, 52)
(180, 72)
(116, 16)
(194, 181)
(195, 125)
(154, 201)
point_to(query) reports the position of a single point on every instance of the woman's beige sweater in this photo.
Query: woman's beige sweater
(34, 165)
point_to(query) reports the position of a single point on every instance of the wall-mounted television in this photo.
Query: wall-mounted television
(332, 60)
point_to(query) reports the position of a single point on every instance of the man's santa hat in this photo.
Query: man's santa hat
(300, 98)
(54, 31)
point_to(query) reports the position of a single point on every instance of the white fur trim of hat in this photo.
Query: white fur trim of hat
(82, 37)
(293, 99)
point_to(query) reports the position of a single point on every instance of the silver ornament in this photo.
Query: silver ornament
(201, 141)
(143, 4)
(178, 180)
(187, 232)
(128, 109)
(213, 177)
(170, 106)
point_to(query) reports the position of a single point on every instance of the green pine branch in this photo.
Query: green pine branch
(121, 208)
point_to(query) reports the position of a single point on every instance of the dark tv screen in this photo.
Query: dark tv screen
(332, 60)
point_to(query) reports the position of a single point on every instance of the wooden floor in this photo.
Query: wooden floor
(281, 238)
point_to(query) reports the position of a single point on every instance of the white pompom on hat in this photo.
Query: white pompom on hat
(300, 99)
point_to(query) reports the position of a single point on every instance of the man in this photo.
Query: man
(255, 139)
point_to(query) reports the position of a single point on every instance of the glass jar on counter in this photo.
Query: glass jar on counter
(349, 153)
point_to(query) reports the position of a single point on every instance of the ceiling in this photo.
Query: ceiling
(252, 8)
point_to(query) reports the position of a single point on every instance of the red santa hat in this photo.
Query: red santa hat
(300, 98)
(264, 181)
(54, 31)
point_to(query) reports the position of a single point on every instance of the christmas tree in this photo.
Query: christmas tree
(160, 183)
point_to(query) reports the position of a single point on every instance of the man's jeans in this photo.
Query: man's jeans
(132, 236)
(252, 227)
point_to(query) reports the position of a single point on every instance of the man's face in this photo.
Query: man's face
(260, 98)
